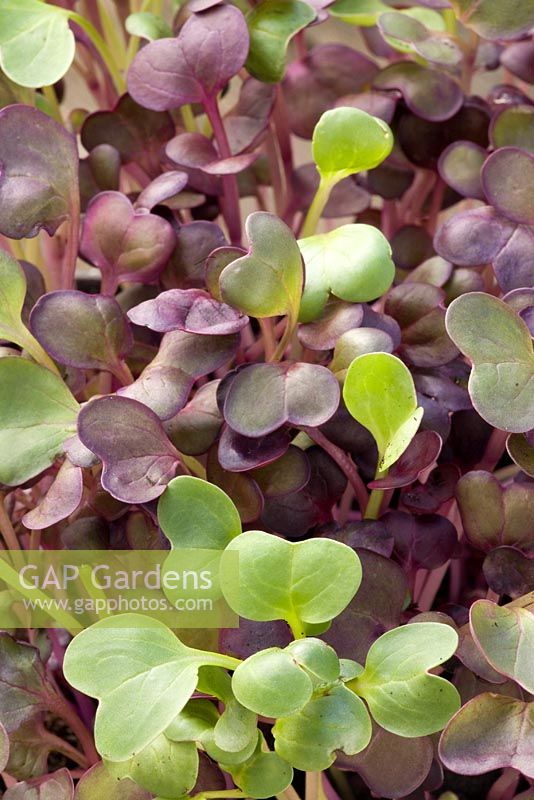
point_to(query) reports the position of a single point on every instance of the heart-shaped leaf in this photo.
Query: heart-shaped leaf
(210, 49)
(196, 514)
(507, 177)
(236, 727)
(429, 93)
(508, 571)
(33, 429)
(163, 767)
(268, 281)
(272, 684)
(406, 33)
(98, 782)
(61, 500)
(491, 21)
(380, 394)
(490, 732)
(149, 661)
(123, 243)
(347, 140)
(352, 262)
(189, 310)
(39, 177)
(262, 775)
(263, 397)
(402, 697)
(483, 235)
(308, 740)
(164, 187)
(502, 378)
(195, 428)
(136, 469)
(36, 44)
(504, 516)
(57, 785)
(165, 384)
(82, 330)
(506, 637)
(314, 582)
(272, 24)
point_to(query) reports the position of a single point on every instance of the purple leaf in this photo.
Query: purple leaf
(263, 397)
(57, 785)
(508, 571)
(313, 85)
(248, 119)
(293, 515)
(492, 517)
(136, 467)
(507, 178)
(418, 310)
(288, 474)
(337, 318)
(518, 57)
(369, 534)
(190, 310)
(82, 330)
(430, 94)
(482, 235)
(422, 451)
(210, 49)
(165, 384)
(194, 429)
(242, 489)
(252, 636)
(242, 453)
(61, 500)
(194, 151)
(391, 765)
(490, 732)
(425, 498)
(426, 541)
(460, 164)
(375, 609)
(378, 104)
(123, 243)
(38, 173)
(136, 133)
(160, 189)
(194, 242)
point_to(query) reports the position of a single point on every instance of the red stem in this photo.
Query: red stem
(232, 212)
(344, 462)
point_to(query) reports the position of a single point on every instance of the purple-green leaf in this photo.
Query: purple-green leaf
(190, 310)
(61, 500)
(38, 175)
(136, 468)
(82, 330)
(263, 397)
(123, 243)
(210, 49)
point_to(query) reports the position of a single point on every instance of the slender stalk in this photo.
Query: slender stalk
(316, 209)
(103, 50)
(372, 510)
(269, 342)
(58, 705)
(344, 462)
(49, 93)
(112, 33)
(494, 450)
(285, 340)
(61, 746)
(288, 794)
(6, 526)
(232, 213)
(70, 258)
(122, 372)
(188, 118)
